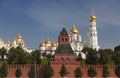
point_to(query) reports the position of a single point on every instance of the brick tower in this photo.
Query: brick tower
(64, 55)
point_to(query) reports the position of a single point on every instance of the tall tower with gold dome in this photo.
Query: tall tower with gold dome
(92, 37)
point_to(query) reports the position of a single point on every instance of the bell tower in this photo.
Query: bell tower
(92, 37)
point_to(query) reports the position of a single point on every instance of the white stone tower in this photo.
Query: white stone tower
(92, 39)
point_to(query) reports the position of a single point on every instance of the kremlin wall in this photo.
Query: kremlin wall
(25, 69)
(65, 52)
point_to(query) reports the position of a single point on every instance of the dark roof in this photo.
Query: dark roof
(64, 49)
(63, 32)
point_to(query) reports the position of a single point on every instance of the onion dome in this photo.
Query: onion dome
(74, 30)
(92, 17)
(54, 44)
(42, 44)
(48, 42)
(19, 36)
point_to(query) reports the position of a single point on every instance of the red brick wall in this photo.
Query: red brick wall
(98, 68)
(71, 66)
(24, 69)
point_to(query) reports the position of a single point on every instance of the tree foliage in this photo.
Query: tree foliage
(17, 56)
(105, 71)
(92, 56)
(3, 70)
(117, 55)
(78, 72)
(18, 72)
(63, 71)
(106, 56)
(36, 54)
(92, 72)
(117, 48)
(48, 71)
(117, 70)
(31, 73)
(3, 52)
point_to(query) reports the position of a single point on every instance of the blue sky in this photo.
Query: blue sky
(38, 20)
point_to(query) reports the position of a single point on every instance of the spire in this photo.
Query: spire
(63, 32)
(92, 14)
(64, 26)
(92, 17)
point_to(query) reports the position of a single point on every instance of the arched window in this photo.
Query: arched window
(66, 39)
(62, 39)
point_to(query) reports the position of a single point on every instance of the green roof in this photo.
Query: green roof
(63, 32)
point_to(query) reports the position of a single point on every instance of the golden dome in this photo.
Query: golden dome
(74, 30)
(42, 44)
(92, 17)
(19, 36)
(54, 45)
(48, 41)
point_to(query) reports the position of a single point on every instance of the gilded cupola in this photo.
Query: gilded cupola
(54, 44)
(19, 36)
(42, 44)
(74, 30)
(48, 42)
(92, 17)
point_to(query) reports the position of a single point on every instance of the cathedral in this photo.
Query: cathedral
(76, 43)
(17, 41)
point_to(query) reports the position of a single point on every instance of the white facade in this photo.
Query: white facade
(76, 40)
(92, 37)
(17, 41)
(47, 47)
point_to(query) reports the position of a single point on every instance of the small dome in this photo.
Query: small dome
(54, 45)
(92, 17)
(42, 44)
(48, 41)
(74, 30)
(19, 36)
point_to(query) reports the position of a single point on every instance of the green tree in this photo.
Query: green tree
(105, 56)
(31, 73)
(18, 73)
(92, 57)
(78, 73)
(38, 59)
(17, 56)
(117, 71)
(3, 70)
(105, 71)
(92, 72)
(3, 52)
(116, 58)
(117, 48)
(48, 71)
(63, 71)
